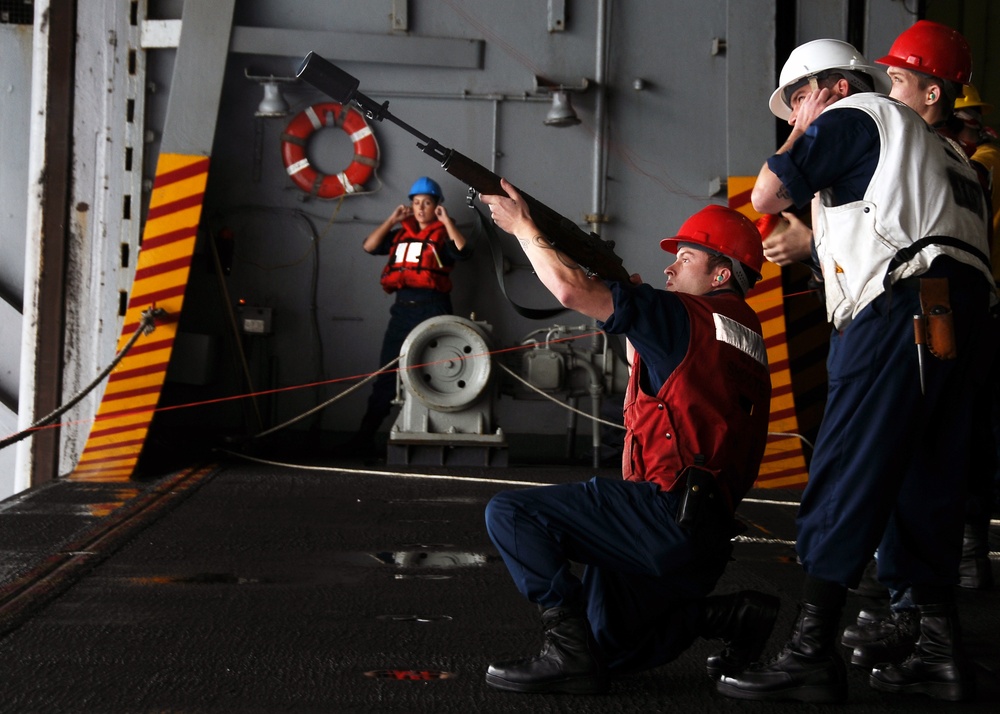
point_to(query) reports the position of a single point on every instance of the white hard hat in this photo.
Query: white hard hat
(819, 56)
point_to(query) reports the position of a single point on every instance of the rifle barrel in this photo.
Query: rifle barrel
(588, 249)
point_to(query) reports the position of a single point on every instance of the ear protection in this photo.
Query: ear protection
(718, 278)
(932, 95)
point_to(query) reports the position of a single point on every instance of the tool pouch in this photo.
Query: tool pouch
(938, 319)
(700, 499)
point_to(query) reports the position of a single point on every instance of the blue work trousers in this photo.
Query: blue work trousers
(644, 575)
(890, 468)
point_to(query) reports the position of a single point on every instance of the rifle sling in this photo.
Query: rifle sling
(615, 342)
(494, 242)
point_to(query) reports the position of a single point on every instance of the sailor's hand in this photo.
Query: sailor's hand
(441, 213)
(790, 244)
(510, 212)
(811, 106)
(400, 213)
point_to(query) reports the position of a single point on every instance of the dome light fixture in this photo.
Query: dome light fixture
(561, 113)
(274, 103)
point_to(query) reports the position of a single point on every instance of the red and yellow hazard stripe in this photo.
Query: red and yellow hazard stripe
(784, 463)
(161, 276)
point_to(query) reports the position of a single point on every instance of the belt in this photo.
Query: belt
(417, 302)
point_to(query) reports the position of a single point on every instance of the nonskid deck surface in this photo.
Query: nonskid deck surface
(247, 586)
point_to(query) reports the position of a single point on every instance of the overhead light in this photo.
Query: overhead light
(273, 104)
(561, 113)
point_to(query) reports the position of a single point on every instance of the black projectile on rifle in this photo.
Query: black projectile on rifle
(596, 255)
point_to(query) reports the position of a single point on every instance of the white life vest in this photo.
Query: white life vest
(923, 187)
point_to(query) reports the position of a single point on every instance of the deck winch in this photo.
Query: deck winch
(447, 387)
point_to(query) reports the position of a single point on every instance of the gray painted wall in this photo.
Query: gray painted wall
(681, 117)
(699, 117)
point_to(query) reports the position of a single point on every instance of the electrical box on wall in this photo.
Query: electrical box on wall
(255, 320)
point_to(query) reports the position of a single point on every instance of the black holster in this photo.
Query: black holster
(701, 500)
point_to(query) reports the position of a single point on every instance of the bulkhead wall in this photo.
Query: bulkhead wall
(672, 102)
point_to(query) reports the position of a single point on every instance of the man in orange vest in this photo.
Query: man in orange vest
(655, 542)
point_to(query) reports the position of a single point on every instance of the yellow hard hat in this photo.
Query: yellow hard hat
(972, 99)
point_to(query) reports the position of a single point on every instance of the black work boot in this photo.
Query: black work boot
(867, 616)
(807, 669)
(870, 624)
(888, 639)
(744, 621)
(974, 570)
(568, 661)
(937, 667)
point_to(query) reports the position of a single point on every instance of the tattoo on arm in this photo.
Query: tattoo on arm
(542, 242)
(537, 239)
(783, 193)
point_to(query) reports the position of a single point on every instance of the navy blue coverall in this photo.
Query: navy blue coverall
(644, 574)
(890, 465)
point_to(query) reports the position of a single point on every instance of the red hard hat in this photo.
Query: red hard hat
(934, 49)
(725, 231)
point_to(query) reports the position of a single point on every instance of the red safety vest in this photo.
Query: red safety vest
(715, 404)
(417, 258)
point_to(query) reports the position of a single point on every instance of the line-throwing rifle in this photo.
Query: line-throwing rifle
(593, 253)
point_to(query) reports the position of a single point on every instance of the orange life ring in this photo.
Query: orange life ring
(295, 139)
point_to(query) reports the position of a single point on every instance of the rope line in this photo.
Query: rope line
(756, 540)
(367, 376)
(548, 396)
(792, 434)
(330, 401)
(373, 472)
(147, 323)
(763, 541)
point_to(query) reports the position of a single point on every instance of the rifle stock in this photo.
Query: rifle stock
(593, 253)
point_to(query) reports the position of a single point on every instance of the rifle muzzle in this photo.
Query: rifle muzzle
(328, 78)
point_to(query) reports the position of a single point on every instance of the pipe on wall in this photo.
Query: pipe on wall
(600, 114)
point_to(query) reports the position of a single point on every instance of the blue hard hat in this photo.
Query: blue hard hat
(428, 186)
